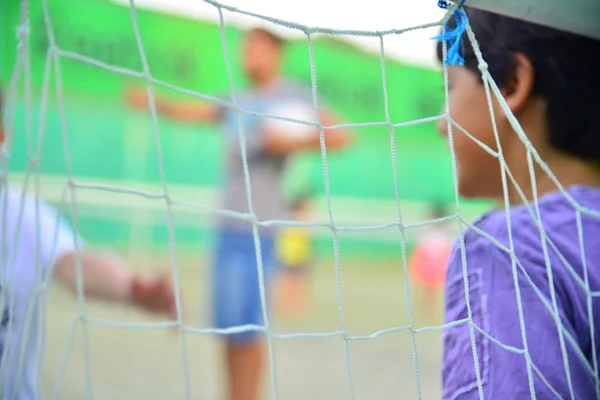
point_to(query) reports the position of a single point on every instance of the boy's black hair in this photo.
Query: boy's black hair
(566, 74)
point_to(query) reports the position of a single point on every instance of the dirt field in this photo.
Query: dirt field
(127, 363)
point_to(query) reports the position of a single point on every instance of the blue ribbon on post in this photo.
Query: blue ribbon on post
(454, 36)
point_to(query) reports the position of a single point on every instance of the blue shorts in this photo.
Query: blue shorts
(236, 295)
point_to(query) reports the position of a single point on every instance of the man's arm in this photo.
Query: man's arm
(105, 276)
(276, 142)
(108, 277)
(191, 112)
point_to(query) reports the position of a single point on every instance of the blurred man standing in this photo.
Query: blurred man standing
(268, 144)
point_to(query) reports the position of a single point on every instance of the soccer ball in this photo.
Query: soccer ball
(296, 109)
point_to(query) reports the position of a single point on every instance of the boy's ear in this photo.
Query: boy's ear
(518, 91)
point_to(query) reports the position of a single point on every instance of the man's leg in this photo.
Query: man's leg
(238, 303)
(245, 365)
(292, 285)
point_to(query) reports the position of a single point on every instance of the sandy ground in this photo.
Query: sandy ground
(127, 363)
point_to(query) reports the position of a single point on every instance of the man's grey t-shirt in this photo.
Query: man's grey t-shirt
(265, 170)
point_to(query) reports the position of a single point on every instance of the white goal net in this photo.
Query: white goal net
(360, 366)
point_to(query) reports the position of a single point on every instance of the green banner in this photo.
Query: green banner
(105, 141)
(189, 54)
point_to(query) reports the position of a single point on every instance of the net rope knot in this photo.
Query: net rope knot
(22, 32)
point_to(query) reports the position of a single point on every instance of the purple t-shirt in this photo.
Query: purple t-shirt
(504, 373)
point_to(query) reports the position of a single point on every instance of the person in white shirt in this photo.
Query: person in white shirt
(36, 245)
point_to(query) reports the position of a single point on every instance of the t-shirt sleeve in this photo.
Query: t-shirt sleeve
(53, 236)
(504, 325)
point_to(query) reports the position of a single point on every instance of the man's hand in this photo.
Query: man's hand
(154, 294)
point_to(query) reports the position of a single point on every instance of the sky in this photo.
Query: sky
(415, 47)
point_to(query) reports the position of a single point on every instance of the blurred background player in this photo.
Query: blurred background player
(268, 144)
(31, 254)
(295, 258)
(526, 290)
(429, 261)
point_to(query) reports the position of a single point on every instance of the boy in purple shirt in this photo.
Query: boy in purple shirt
(529, 328)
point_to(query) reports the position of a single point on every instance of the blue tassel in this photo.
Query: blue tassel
(454, 36)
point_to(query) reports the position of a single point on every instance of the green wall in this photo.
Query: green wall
(107, 142)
